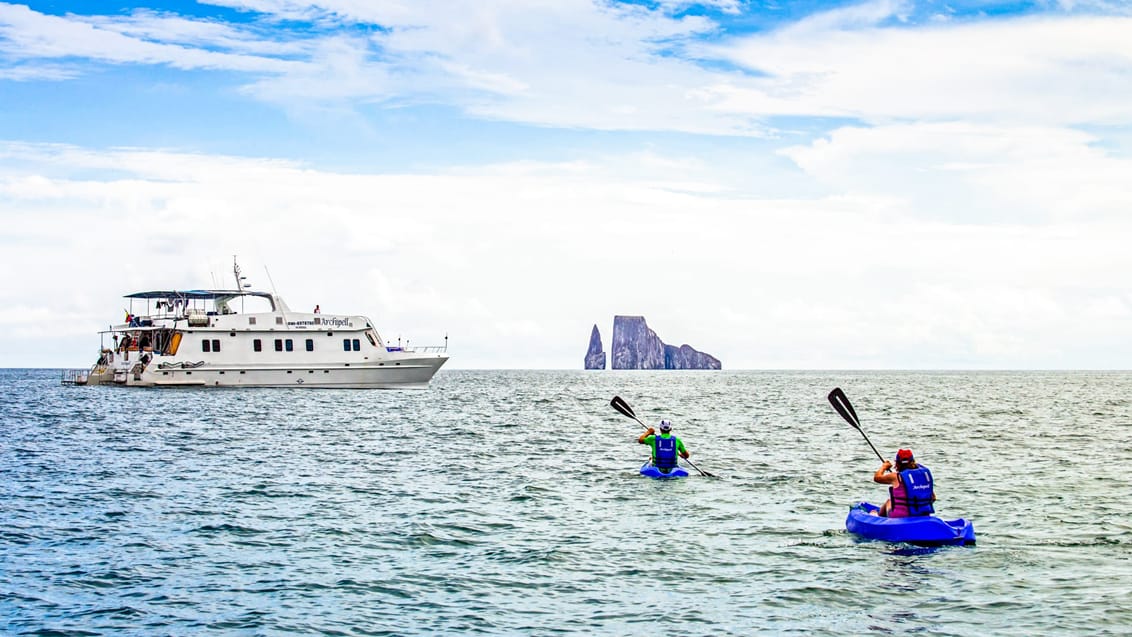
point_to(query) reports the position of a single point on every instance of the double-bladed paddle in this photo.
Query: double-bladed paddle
(620, 405)
(839, 401)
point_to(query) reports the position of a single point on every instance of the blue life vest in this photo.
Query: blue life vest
(918, 490)
(664, 453)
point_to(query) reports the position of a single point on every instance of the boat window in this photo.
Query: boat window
(216, 345)
(206, 345)
(357, 345)
(345, 344)
(290, 345)
(257, 345)
(371, 339)
(251, 320)
(278, 320)
(279, 345)
(310, 344)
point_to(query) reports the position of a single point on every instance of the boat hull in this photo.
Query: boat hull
(920, 531)
(408, 373)
(648, 470)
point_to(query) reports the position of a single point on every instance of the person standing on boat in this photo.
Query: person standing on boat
(911, 491)
(665, 447)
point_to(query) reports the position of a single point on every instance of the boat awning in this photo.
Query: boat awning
(207, 295)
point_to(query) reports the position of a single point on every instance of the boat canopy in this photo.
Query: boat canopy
(220, 298)
(206, 295)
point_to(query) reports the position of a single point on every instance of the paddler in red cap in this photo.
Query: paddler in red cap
(910, 488)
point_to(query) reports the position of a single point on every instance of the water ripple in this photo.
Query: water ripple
(505, 503)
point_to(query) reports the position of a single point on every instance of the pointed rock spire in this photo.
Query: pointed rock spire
(595, 355)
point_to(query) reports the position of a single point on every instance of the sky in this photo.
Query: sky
(784, 185)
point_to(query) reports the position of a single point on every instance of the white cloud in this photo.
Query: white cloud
(34, 72)
(863, 15)
(625, 67)
(549, 64)
(975, 172)
(516, 262)
(1065, 70)
(27, 34)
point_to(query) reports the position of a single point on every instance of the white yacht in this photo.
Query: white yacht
(242, 338)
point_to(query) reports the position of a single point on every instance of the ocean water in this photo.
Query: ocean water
(508, 503)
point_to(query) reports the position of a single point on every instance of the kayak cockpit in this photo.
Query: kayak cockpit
(650, 470)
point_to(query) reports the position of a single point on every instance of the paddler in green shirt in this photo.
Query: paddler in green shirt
(665, 446)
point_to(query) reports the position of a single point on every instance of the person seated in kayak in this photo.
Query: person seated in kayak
(665, 447)
(910, 492)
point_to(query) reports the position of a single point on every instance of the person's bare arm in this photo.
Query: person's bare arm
(883, 476)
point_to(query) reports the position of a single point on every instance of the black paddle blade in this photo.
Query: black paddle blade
(841, 404)
(622, 406)
(702, 472)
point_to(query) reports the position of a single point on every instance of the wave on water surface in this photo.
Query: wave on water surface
(509, 503)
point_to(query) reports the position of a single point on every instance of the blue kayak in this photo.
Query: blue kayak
(925, 530)
(649, 470)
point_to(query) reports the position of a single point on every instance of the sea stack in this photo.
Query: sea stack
(595, 355)
(636, 346)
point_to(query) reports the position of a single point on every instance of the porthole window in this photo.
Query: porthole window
(216, 345)
(310, 344)
(290, 345)
(257, 345)
(279, 345)
(206, 345)
(357, 345)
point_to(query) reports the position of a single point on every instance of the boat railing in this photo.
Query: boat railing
(428, 349)
(75, 376)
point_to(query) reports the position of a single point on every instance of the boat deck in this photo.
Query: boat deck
(75, 376)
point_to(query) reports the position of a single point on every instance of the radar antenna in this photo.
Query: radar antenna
(240, 278)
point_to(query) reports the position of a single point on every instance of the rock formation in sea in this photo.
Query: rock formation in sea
(685, 357)
(595, 355)
(636, 346)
